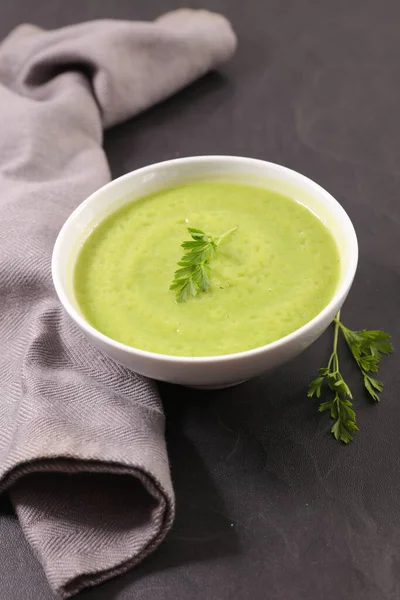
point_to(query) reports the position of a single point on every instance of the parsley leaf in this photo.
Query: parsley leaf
(193, 275)
(368, 348)
(340, 406)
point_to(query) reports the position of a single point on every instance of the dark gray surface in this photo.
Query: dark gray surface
(269, 505)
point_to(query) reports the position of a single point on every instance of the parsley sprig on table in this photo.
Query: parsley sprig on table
(193, 275)
(367, 348)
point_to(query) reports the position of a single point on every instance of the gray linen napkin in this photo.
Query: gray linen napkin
(82, 448)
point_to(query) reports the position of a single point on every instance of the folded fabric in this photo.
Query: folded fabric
(82, 449)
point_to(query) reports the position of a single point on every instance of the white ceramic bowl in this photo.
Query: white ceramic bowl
(218, 371)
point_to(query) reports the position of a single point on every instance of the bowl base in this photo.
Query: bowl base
(216, 387)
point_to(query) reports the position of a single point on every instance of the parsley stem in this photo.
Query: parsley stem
(334, 359)
(335, 343)
(224, 235)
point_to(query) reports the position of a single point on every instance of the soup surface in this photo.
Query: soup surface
(269, 277)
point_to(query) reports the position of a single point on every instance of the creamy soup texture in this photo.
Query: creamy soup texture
(271, 276)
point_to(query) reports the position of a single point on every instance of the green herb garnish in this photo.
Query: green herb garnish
(193, 275)
(367, 348)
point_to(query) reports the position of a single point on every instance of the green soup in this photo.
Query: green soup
(272, 275)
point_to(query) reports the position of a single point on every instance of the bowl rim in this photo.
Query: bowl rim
(91, 331)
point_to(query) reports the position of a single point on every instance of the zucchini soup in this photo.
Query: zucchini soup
(275, 271)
